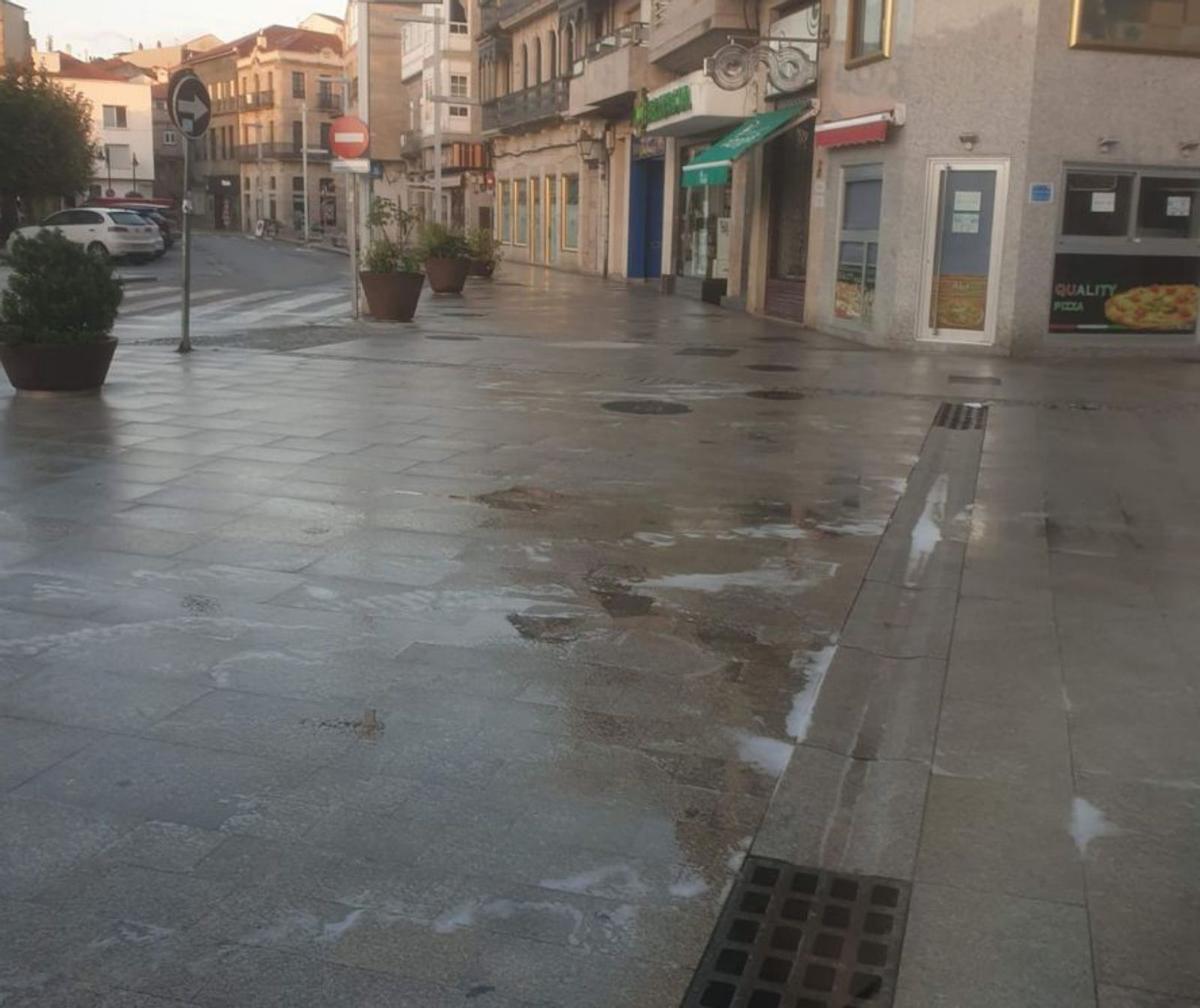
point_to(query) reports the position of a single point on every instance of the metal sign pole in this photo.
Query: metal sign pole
(185, 341)
(352, 239)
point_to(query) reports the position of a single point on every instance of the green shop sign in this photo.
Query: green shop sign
(670, 103)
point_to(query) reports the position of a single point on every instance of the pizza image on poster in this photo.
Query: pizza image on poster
(1157, 308)
(1138, 295)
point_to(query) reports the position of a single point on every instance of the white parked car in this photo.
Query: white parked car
(101, 231)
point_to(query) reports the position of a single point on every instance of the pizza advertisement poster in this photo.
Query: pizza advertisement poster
(960, 302)
(1140, 295)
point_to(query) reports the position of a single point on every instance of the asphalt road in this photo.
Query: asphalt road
(241, 286)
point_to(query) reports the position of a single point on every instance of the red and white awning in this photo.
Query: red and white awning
(859, 130)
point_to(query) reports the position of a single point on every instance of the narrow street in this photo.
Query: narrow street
(464, 663)
(239, 284)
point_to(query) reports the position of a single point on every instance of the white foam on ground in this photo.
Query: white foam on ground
(767, 754)
(927, 532)
(1088, 823)
(815, 666)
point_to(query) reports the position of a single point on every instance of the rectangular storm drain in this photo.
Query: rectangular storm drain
(962, 379)
(961, 416)
(792, 937)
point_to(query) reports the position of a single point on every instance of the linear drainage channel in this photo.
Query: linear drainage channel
(792, 937)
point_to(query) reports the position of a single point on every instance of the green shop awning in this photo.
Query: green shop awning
(712, 165)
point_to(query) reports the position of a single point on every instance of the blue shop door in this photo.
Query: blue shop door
(645, 217)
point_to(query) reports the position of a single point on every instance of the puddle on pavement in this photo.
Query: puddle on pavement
(548, 629)
(611, 584)
(522, 498)
(646, 407)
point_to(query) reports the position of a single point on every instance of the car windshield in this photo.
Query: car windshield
(127, 217)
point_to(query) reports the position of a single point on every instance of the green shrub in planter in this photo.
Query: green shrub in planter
(58, 293)
(484, 249)
(437, 241)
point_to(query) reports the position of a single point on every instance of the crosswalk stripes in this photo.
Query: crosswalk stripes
(222, 314)
(163, 297)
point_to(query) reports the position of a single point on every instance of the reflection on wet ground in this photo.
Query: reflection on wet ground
(411, 670)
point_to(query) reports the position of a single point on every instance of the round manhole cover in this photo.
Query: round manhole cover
(781, 394)
(771, 367)
(646, 407)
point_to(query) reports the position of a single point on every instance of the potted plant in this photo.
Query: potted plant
(447, 258)
(485, 252)
(391, 278)
(57, 315)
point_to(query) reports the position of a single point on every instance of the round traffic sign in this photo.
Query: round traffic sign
(349, 137)
(189, 105)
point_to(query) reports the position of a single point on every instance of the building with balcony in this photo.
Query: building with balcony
(442, 90)
(549, 197)
(274, 94)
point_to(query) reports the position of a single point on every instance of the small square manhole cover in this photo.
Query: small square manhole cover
(792, 937)
(962, 379)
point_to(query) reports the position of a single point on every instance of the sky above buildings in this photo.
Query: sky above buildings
(103, 28)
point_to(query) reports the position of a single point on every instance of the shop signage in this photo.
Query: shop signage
(649, 147)
(1125, 294)
(1041, 192)
(649, 110)
(961, 302)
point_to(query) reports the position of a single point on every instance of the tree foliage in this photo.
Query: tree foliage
(47, 131)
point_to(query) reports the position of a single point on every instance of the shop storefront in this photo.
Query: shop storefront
(1127, 261)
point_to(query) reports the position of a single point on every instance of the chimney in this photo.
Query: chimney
(49, 43)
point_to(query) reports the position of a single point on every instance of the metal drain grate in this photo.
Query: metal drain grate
(646, 407)
(962, 379)
(961, 416)
(802, 938)
(705, 351)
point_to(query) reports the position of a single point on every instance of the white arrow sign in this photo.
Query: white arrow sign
(192, 107)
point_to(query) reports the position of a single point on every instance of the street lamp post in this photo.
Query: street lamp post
(304, 162)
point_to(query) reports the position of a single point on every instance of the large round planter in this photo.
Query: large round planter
(482, 267)
(447, 276)
(57, 367)
(392, 297)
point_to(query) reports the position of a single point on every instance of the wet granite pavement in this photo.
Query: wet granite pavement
(421, 668)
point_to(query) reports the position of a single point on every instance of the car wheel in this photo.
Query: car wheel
(98, 250)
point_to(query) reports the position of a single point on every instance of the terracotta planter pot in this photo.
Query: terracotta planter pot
(482, 267)
(57, 367)
(392, 297)
(447, 276)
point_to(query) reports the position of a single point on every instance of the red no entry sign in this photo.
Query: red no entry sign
(349, 137)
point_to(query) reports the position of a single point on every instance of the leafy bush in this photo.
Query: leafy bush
(437, 241)
(483, 245)
(388, 253)
(58, 293)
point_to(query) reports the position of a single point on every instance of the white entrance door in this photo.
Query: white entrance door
(964, 239)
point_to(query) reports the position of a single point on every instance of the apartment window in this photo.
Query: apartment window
(114, 117)
(271, 185)
(869, 34)
(297, 84)
(522, 212)
(858, 244)
(212, 145)
(272, 215)
(118, 156)
(169, 138)
(1169, 27)
(297, 183)
(324, 136)
(459, 111)
(246, 184)
(458, 18)
(270, 80)
(458, 85)
(570, 211)
(160, 105)
(504, 210)
(297, 135)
